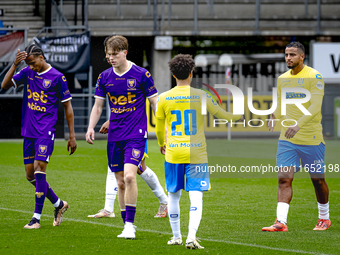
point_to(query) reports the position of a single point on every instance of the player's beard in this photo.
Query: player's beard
(292, 66)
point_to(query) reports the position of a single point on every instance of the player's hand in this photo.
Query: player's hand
(163, 149)
(271, 123)
(20, 57)
(105, 127)
(71, 144)
(90, 136)
(291, 131)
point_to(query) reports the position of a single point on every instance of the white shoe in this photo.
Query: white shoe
(128, 232)
(193, 244)
(102, 214)
(177, 241)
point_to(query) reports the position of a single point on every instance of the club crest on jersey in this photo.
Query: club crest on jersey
(131, 84)
(47, 83)
(42, 149)
(135, 153)
(301, 81)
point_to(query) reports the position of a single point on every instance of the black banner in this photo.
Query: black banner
(68, 54)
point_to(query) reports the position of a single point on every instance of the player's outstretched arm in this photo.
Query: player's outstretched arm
(7, 81)
(94, 118)
(104, 129)
(71, 144)
(153, 103)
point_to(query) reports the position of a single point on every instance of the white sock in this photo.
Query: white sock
(323, 211)
(37, 216)
(56, 204)
(174, 213)
(195, 214)
(152, 181)
(111, 191)
(282, 212)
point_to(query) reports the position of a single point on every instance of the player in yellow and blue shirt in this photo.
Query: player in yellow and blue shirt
(301, 141)
(179, 109)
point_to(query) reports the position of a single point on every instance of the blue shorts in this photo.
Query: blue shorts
(125, 152)
(312, 156)
(191, 177)
(37, 149)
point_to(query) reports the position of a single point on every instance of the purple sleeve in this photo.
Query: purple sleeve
(64, 93)
(19, 78)
(149, 87)
(100, 89)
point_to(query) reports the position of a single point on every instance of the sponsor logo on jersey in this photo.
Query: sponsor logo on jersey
(121, 99)
(193, 208)
(42, 149)
(295, 95)
(318, 76)
(319, 85)
(131, 84)
(63, 78)
(182, 98)
(135, 153)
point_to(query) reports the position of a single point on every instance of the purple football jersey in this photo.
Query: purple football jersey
(127, 93)
(41, 100)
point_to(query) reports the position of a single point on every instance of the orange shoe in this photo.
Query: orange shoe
(278, 226)
(162, 211)
(322, 225)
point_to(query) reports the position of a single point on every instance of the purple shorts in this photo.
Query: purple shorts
(37, 149)
(125, 152)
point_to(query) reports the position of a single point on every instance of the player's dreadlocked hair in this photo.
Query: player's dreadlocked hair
(297, 45)
(181, 66)
(34, 50)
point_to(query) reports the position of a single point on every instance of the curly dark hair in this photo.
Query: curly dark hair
(181, 66)
(297, 45)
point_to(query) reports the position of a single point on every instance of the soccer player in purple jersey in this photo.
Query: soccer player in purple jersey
(127, 86)
(44, 86)
(144, 172)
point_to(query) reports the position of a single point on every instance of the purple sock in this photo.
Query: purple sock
(130, 213)
(40, 191)
(50, 193)
(123, 213)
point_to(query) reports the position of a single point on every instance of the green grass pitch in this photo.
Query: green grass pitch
(234, 211)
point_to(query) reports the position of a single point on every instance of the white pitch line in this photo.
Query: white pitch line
(168, 233)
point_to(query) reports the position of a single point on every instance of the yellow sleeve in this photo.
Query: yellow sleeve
(160, 121)
(218, 112)
(314, 109)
